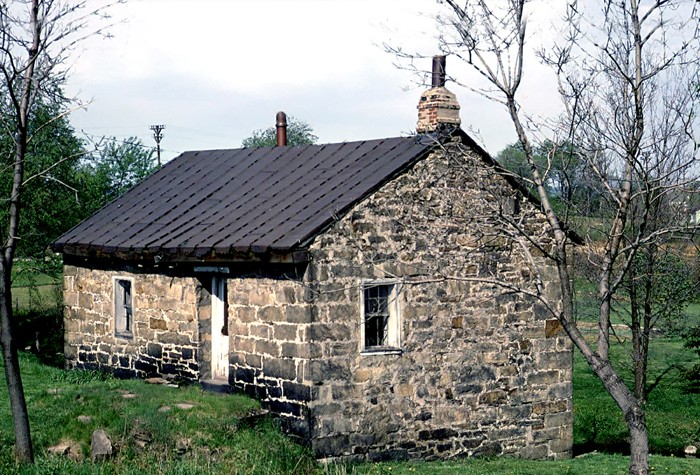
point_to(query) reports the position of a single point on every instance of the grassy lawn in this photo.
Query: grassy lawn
(596, 464)
(210, 438)
(673, 415)
(207, 438)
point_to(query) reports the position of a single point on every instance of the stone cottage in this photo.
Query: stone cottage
(362, 291)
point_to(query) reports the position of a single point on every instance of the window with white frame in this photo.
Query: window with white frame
(380, 317)
(123, 307)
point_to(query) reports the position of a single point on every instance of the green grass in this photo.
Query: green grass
(595, 464)
(673, 414)
(218, 442)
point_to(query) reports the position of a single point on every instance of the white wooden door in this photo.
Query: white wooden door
(219, 330)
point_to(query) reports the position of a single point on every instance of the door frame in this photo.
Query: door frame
(220, 349)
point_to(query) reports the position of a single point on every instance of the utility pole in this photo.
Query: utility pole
(157, 135)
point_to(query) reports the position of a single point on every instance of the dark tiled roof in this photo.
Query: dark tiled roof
(222, 202)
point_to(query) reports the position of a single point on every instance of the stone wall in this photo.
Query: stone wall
(270, 345)
(165, 331)
(481, 371)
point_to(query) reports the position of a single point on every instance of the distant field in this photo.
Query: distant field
(33, 289)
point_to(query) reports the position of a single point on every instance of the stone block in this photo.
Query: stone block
(558, 420)
(328, 370)
(436, 434)
(285, 332)
(362, 375)
(254, 361)
(264, 347)
(260, 296)
(563, 444)
(271, 314)
(296, 392)
(245, 314)
(296, 350)
(280, 368)
(85, 300)
(493, 398)
(244, 344)
(534, 452)
(552, 328)
(331, 446)
(549, 407)
(489, 449)
(297, 314)
(158, 324)
(404, 390)
(543, 378)
(259, 330)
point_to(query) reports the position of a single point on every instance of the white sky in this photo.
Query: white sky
(212, 71)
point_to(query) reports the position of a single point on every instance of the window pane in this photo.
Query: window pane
(376, 316)
(123, 311)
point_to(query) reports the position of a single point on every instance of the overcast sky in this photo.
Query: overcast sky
(213, 71)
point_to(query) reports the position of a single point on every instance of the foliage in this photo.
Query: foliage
(299, 132)
(118, 166)
(671, 288)
(66, 184)
(50, 195)
(563, 171)
(692, 374)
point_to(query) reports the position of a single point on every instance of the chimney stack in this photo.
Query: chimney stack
(438, 71)
(438, 108)
(281, 124)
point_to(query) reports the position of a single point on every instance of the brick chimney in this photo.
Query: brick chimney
(438, 107)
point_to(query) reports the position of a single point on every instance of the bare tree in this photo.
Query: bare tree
(626, 75)
(36, 38)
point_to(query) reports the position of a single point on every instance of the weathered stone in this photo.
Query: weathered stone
(100, 445)
(552, 328)
(280, 368)
(158, 324)
(479, 371)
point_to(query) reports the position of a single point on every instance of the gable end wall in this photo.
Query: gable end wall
(482, 372)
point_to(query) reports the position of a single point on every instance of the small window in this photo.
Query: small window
(123, 308)
(380, 317)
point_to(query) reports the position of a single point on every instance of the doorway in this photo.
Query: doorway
(219, 329)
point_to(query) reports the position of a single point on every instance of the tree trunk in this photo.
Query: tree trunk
(15, 390)
(639, 442)
(18, 405)
(631, 409)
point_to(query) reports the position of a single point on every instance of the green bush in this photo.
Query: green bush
(41, 331)
(692, 374)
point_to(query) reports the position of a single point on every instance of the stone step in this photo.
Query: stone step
(216, 386)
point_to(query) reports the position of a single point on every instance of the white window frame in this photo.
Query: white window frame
(123, 314)
(392, 344)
